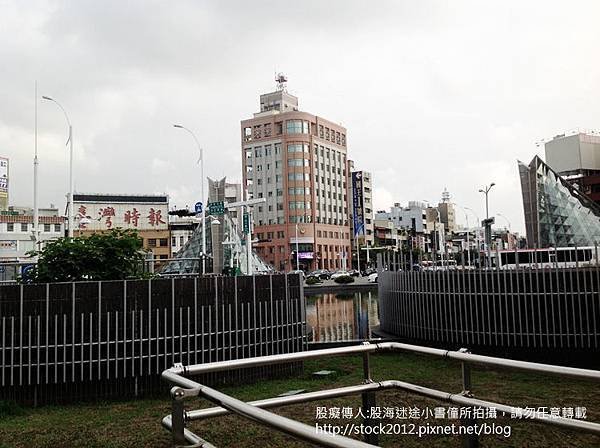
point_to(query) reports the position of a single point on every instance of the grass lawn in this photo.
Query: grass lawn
(137, 423)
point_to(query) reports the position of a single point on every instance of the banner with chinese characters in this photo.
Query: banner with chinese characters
(106, 216)
(358, 215)
(3, 177)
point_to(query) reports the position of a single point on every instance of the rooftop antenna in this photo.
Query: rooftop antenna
(281, 81)
(445, 196)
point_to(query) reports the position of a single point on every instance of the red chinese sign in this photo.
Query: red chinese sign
(108, 216)
(155, 217)
(108, 213)
(82, 213)
(132, 217)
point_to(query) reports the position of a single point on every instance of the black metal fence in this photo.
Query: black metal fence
(548, 309)
(66, 341)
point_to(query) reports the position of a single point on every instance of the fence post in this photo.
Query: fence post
(177, 417)
(469, 440)
(368, 401)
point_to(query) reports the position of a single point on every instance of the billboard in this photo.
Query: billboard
(358, 213)
(106, 216)
(3, 177)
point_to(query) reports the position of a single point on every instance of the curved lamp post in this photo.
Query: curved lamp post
(69, 141)
(485, 191)
(201, 161)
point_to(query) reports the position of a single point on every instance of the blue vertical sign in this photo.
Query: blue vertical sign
(358, 213)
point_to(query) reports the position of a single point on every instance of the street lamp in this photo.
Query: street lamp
(70, 140)
(468, 235)
(488, 227)
(476, 234)
(201, 161)
(485, 191)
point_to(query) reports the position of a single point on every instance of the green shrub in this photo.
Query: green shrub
(344, 279)
(10, 409)
(313, 280)
(113, 255)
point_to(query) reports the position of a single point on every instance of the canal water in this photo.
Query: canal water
(339, 317)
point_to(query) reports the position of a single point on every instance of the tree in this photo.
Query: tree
(114, 255)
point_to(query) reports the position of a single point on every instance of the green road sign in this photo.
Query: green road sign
(216, 208)
(246, 222)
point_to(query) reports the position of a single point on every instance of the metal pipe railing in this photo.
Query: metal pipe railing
(292, 427)
(276, 359)
(189, 436)
(255, 410)
(470, 358)
(201, 414)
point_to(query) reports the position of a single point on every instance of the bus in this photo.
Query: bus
(551, 257)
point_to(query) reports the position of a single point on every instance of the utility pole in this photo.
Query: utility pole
(36, 212)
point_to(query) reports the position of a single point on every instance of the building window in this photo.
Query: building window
(279, 128)
(10, 227)
(257, 131)
(297, 127)
(297, 147)
(46, 227)
(151, 242)
(247, 134)
(174, 241)
(57, 228)
(23, 227)
(297, 162)
(268, 130)
(164, 242)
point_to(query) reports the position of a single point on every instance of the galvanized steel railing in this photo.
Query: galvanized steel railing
(185, 388)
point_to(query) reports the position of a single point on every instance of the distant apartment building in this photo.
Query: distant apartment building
(576, 158)
(412, 217)
(447, 213)
(387, 234)
(181, 230)
(297, 162)
(148, 214)
(16, 231)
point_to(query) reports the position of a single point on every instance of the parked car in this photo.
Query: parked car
(337, 274)
(323, 274)
(372, 278)
(354, 273)
(369, 271)
(298, 271)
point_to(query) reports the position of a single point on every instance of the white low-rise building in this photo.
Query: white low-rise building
(16, 231)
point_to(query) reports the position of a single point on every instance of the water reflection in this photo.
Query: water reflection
(341, 317)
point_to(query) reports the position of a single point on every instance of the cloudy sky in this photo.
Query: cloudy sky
(434, 94)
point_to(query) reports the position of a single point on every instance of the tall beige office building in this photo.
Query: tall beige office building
(297, 162)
